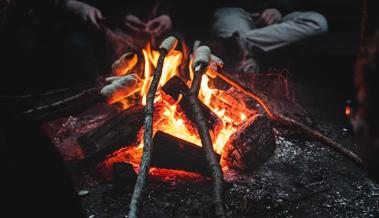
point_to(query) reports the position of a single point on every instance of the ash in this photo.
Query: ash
(303, 179)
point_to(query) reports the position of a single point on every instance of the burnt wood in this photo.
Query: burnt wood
(289, 122)
(119, 131)
(251, 145)
(170, 152)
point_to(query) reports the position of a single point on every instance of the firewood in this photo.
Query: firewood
(251, 145)
(200, 65)
(170, 152)
(120, 130)
(290, 122)
(166, 47)
(176, 86)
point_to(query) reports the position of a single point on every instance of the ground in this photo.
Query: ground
(303, 179)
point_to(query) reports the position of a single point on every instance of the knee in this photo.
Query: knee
(225, 21)
(228, 11)
(319, 21)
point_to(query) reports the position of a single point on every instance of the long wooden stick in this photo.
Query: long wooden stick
(206, 141)
(135, 203)
(289, 122)
(57, 104)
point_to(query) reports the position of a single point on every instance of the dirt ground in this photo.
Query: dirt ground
(303, 179)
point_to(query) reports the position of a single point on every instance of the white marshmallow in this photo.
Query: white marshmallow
(169, 44)
(126, 85)
(201, 56)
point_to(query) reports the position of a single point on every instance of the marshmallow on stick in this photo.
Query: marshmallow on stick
(201, 56)
(122, 87)
(169, 44)
(124, 64)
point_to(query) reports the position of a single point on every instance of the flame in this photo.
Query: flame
(170, 117)
(170, 68)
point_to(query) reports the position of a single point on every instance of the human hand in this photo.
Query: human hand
(87, 13)
(134, 24)
(160, 25)
(268, 17)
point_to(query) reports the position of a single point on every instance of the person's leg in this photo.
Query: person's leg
(294, 27)
(227, 21)
(227, 25)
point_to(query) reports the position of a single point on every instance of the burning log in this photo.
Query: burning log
(251, 145)
(289, 122)
(232, 105)
(200, 65)
(120, 130)
(166, 47)
(170, 152)
(176, 86)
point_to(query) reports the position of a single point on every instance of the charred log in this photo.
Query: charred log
(251, 146)
(120, 130)
(290, 122)
(170, 152)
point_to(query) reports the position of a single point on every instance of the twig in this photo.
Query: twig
(200, 66)
(289, 122)
(167, 45)
(59, 103)
(49, 93)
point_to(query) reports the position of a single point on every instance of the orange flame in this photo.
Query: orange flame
(172, 120)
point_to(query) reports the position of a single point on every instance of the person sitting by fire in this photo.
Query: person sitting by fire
(250, 28)
(126, 25)
(83, 37)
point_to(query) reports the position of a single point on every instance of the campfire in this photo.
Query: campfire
(168, 113)
(185, 111)
(129, 85)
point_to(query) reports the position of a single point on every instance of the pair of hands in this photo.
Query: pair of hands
(266, 17)
(93, 16)
(156, 27)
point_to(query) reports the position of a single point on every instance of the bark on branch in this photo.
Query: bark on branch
(206, 141)
(167, 45)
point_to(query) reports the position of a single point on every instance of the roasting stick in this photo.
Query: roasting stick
(289, 122)
(200, 65)
(165, 48)
(63, 101)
